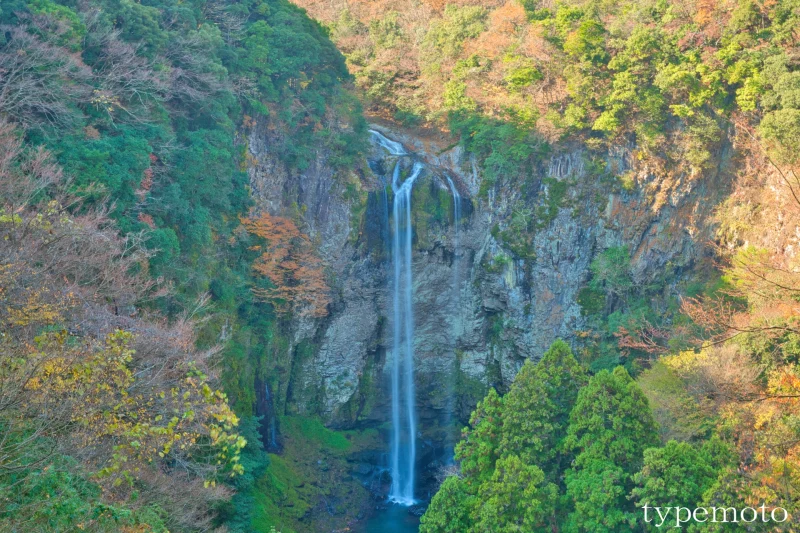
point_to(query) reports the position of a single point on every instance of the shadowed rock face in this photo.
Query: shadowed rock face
(509, 309)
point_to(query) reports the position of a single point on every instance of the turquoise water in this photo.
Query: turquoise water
(395, 519)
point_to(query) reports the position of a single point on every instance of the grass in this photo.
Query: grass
(312, 430)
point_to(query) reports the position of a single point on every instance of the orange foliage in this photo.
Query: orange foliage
(289, 263)
(705, 12)
(509, 18)
(147, 179)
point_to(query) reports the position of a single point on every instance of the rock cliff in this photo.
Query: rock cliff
(510, 305)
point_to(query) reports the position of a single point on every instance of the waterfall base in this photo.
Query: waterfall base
(392, 519)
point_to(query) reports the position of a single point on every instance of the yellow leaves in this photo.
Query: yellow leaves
(94, 383)
(784, 383)
(23, 305)
(105, 100)
(685, 362)
(764, 416)
(206, 392)
(122, 414)
(34, 310)
(13, 219)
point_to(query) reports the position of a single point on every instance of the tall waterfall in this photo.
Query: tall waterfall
(456, 301)
(404, 424)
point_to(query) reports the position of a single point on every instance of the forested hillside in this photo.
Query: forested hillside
(125, 290)
(198, 329)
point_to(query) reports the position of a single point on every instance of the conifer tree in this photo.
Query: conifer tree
(450, 509)
(515, 499)
(679, 474)
(610, 427)
(479, 449)
(536, 409)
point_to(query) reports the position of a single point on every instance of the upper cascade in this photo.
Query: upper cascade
(393, 147)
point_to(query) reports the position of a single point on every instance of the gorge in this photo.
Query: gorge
(397, 266)
(476, 315)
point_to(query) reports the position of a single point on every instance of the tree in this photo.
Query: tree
(611, 272)
(32, 87)
(134, 409)
(515, 499)
(503, 487)
(597, 491)
(536, 409)
(450, 510)
(479, 447)
(610, 427)
(290, 265)
(676, 475)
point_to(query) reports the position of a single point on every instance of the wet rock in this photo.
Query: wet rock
(363, 469)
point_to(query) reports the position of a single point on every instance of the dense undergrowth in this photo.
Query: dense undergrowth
(125, 274)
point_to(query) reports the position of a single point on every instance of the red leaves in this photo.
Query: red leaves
(288, 261)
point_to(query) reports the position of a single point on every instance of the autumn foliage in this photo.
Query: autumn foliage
(288, 262)
(85, 376)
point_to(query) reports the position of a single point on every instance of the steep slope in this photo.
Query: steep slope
(591, 153)
(123, 120)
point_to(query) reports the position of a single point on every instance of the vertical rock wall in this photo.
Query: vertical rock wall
(510, 309)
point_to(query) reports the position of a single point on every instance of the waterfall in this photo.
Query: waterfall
(393, 147)
(403, 446)
(456, 224)
(265, 409)
(385, 237)
(456, 301)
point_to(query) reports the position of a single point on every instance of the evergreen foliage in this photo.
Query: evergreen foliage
(140, 104)
(562, 451)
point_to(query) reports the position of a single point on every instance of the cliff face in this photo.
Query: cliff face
(507, 309)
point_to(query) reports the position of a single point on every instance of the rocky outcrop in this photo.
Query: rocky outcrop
(508, 309)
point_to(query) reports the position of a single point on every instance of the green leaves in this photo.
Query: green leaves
(507, 148)
(60, 498)
(450, 509)
(781, 130)
(587, 41)
(611, 272)
(676, 474)
(610, 427)
(515, 499)
(479, 448)
(536, 409)
(559, 450)
(611, 420)
(512, 457)
(447, 35)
